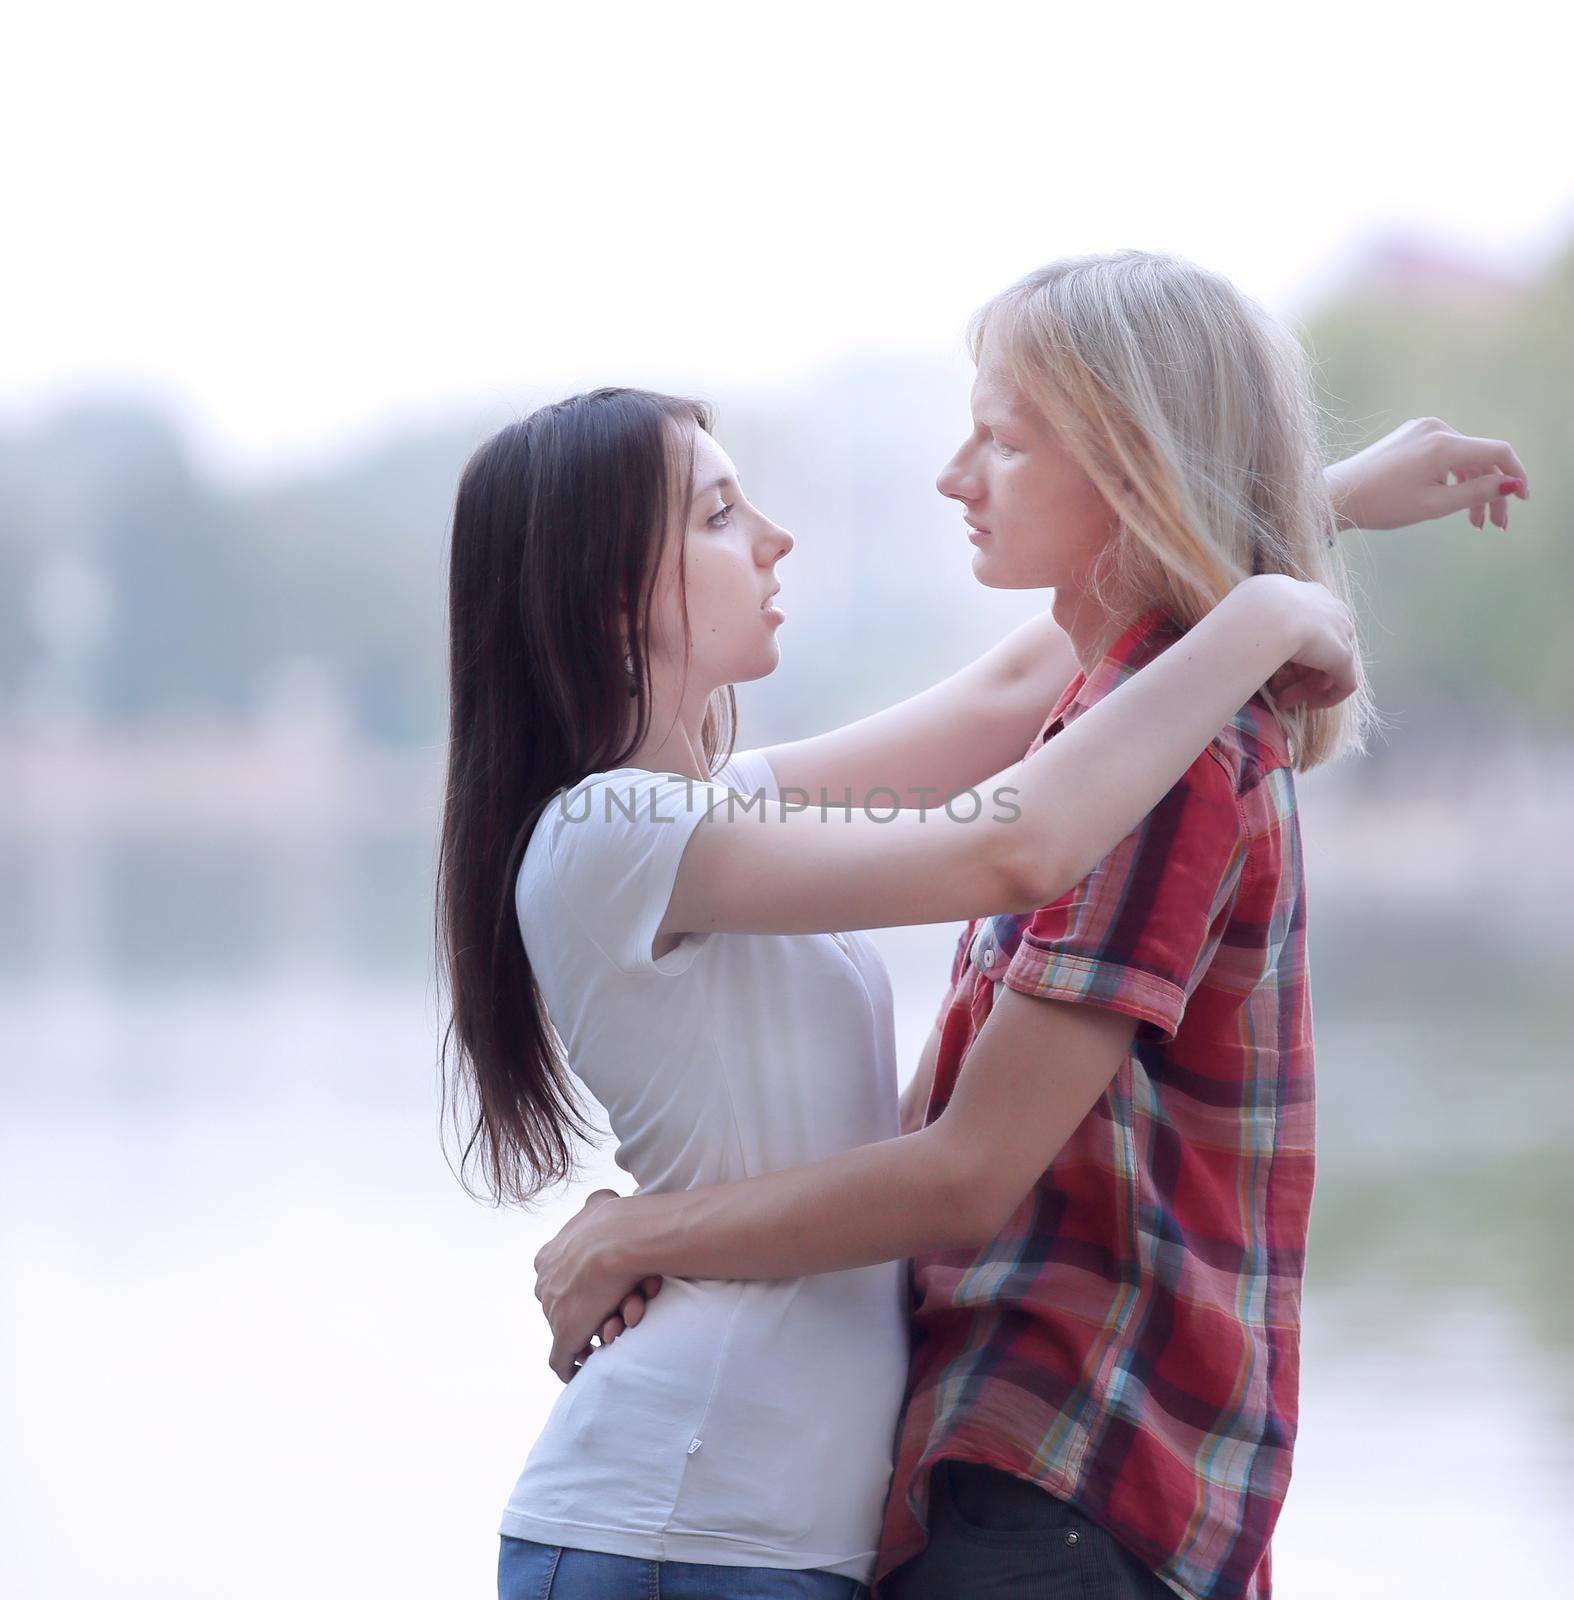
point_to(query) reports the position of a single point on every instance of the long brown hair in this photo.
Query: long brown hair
(559, 525)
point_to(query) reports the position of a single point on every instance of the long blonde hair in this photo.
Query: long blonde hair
(1193, 413)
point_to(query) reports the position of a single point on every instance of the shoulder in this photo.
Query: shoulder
(609, 822)
(1252, 745)
(749, 772)
(1210, 788)
(1246, 773)
(623, 806)
(589, 821)
(604, 858)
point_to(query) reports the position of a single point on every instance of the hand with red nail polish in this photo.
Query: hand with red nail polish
(1425, 470)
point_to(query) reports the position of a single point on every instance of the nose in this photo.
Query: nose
(774, 543)
(956, 480)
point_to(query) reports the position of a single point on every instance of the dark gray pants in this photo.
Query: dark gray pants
(992, 1535)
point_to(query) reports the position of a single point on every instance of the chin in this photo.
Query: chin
(760, 666)
(994, 575)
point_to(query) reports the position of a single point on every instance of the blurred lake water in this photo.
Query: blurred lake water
(258, 1341)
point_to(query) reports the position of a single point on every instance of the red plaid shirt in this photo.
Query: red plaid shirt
(1130, 1340)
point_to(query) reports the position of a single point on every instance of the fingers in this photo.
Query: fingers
(1485, 473)
(1288, 677)
(565, 1362)
(1476, 513)
(1466, 457)
(1300, 690)
(631, 1312)
(1486, 491)
(1319, 691)
(566, 1367)
(1326, 671)
(628, 1315)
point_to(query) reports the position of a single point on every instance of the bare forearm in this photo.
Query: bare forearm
(946, 739)
(1338, 491)
(880, 1202)
(1097, 779)
(1009, 693)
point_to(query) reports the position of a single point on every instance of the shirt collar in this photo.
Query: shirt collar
(1149, 636)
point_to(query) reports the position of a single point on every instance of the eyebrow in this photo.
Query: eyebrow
(716, 484)
(989, 416)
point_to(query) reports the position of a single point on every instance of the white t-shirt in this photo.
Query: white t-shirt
(741, 1424)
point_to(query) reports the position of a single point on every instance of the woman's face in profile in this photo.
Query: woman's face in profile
(729, 550)
(1036, 520)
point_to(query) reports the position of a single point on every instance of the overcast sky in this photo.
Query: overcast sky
(295, 222)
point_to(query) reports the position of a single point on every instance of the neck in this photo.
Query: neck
(674, 741)
(1084, 622)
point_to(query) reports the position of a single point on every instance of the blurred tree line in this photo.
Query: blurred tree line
(135, 590)
(1466, 624)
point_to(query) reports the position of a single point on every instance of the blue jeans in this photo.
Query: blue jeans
(530, 1571)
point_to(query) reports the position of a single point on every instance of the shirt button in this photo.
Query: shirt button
(989, 958)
